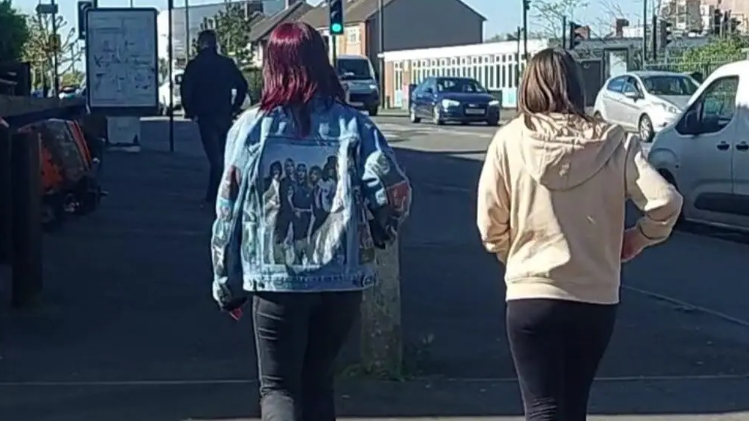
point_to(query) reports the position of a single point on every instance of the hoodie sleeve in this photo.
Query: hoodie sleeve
(493, 209)
(654, 196)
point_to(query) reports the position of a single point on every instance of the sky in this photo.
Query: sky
(502, 15)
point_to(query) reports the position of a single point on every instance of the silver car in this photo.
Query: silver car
(645, 101)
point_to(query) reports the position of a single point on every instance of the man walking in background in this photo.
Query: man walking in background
(208, 86)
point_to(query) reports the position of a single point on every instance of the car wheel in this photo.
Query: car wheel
(436, 118)
(373, 111)
(645, 129)
(493, 122)
(412, 115)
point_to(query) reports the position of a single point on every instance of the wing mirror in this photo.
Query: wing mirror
(691, 122)
(632, 95)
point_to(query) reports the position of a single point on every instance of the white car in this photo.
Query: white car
(646, 101)
(176, 104)
(705, 153)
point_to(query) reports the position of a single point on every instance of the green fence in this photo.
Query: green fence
(704, 67)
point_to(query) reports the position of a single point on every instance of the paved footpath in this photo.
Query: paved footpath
(128, 330)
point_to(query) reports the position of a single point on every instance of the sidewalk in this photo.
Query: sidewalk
(128, 330)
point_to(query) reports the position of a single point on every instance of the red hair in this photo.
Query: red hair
(295, 70)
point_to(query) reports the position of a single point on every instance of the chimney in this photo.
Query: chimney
(619, 26)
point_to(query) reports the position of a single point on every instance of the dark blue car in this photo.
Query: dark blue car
(453, 99)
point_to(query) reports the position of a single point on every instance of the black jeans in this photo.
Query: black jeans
(298, 337)
(557, 346)
(213, 131)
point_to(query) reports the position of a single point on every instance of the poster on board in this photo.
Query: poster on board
(122, 61)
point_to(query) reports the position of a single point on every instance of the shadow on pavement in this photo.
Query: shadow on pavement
(128, 329)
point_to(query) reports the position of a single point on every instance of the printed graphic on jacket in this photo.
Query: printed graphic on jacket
(304, 206)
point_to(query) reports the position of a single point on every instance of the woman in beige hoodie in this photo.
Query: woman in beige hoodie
(551, 202)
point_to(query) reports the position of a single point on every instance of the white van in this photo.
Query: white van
(705, 152)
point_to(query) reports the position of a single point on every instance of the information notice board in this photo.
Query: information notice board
(122, 61)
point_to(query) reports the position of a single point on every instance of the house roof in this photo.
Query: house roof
(262, 29)
(355, 11)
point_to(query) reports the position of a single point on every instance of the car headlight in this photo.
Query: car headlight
(373, 87)
(670, 109)
(494, 103)
(446, 103)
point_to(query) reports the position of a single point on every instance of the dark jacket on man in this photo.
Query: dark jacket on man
(207, 86)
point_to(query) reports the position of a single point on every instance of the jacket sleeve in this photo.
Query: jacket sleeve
(654, 196)
(227, 228)
(187, 89)
(384, 183)
(493, 207)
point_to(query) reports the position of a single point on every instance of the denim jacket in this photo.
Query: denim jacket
(297, 214)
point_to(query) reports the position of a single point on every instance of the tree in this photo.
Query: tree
(232, 26)
(72, 78)
(14, 33)
(42, 46)
(496, 38)
(550, 14)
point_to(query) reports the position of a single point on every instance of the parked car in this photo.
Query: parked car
(453, 99)
(646, 101)
(165, 107)
(360, 81)
(705, 154)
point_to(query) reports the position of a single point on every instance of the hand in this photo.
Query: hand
(632, 244)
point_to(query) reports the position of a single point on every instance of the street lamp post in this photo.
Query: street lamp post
(381, 19)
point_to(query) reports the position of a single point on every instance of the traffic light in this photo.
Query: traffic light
(574, 35)
(527, 5)
(717, 21)
(336, 17)
(666, 33)
(83, 7)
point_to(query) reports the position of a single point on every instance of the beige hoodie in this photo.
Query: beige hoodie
(551, 206)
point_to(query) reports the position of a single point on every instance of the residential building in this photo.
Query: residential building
(261, 31)
(183, 34)
(408, 24)
(684, 15)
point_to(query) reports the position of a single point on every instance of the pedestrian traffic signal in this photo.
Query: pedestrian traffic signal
(83, 7)
(717, 22)
(336, 17)
(574, 35)
(666, 33)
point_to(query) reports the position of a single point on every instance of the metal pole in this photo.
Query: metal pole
(517, 59)
(334, 53)
(188, 43)
(55, 64)
(6, 187)
(170, 55)
(525, 31)
(381, 19)
(644, 31)
(655, 38)
(564, 32)
(26, 214)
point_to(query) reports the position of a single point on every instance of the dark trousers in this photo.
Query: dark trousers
(298, 337)
(556, 346)
(213, 132)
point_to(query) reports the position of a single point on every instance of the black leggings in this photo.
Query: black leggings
(298, 337)
(556, 346)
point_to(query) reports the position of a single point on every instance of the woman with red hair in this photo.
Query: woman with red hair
(304, 264)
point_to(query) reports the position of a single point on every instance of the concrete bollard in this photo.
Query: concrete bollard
(26, 232)
(381, 334)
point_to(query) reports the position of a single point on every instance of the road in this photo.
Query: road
(128, 330)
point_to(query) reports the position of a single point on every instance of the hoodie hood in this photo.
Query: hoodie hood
(561, 152)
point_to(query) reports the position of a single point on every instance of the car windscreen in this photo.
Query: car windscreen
(460, 86)
(353, 69)
(670, 85)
